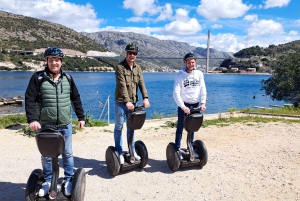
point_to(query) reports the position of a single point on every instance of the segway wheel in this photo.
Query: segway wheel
(112, 161)
(78, 185)
(141, 150)
(173, 156)
(200, 148)
(35, 179)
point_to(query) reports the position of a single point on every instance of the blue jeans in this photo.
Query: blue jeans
(67, 158)
(180, 124)
(121, 114)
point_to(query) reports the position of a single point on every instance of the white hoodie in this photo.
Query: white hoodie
(189, 88)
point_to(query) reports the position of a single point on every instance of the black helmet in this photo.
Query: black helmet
(54, 52)
(132, 46)
(189, 55)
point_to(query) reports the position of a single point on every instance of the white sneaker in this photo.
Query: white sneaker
(45, 189)
(121, 157)
(68, 188)
(180, 155)
(196, 154)
(136, 156)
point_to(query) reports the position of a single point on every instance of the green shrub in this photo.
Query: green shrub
(12, 120)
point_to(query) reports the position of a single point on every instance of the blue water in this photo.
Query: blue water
(224, 91)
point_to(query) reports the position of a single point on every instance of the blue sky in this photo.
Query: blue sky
(233, 24)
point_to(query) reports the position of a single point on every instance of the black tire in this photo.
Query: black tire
(112, 161)
(141, 150)
(173, 156)
(34, 181)
(200, 148)
(78, 185)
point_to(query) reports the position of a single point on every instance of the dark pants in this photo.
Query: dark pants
(180, 124)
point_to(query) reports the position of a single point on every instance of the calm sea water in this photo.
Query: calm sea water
(224, 91)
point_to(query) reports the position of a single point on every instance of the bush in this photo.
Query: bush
(12, 120)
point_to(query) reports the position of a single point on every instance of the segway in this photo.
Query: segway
(185, 157)
(51, 143)
(135, 121)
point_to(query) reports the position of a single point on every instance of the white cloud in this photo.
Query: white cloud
(166, 13)
(297, 22)
(276, 3)
(263, 28)
(77, 17)
(226, 42)
(216, 26)
(251, 18)
(144, 7)
(215, 9)
(293, 33)
(183, 25)
(141, 7)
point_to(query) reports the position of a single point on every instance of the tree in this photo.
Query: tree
(284, 84)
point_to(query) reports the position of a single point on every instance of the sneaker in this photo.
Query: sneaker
(136, 156)
(68, 188)
(45, 189)
(196, 154)
(180, 155)
(121, 159)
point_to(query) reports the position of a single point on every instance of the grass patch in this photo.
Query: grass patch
(12, 120)
(286, 110)
(19, 119)
(170, 124)
(92, 123)
(248, 120)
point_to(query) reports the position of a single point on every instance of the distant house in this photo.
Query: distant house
(234, 69)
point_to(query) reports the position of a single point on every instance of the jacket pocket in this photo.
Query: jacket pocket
(64, 114)
(128, 77)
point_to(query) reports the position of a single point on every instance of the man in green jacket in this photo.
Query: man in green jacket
(49, 98)
(129, 78)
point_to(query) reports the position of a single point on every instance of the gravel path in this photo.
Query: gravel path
(257, 161)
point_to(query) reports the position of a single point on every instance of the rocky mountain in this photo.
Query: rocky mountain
(150, 46)
(26, 33)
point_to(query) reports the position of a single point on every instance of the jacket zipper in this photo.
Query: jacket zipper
(56, 104)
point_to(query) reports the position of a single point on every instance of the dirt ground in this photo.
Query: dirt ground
(253, 161)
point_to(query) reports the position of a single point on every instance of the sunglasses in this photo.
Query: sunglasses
(131, 53)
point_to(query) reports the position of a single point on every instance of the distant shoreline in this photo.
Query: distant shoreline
(143, 72)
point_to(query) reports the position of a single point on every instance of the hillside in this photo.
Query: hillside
(263, 59)
(26, 33)
(272, 51)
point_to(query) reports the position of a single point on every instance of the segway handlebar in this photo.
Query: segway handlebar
(195, 110)
(53, 128)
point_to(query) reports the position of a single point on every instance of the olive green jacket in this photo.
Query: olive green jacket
(128, 81)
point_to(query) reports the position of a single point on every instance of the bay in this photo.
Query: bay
(223, 91)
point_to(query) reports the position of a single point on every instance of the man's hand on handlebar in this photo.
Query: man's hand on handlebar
(146, 103)
(202, 106)
(186, 110)
(129, 106)
(35, 125)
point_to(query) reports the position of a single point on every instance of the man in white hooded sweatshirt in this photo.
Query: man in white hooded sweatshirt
(189, 91)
